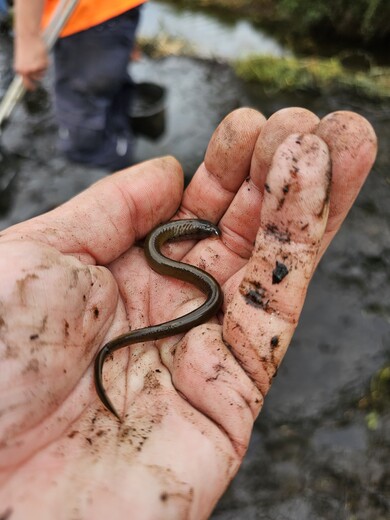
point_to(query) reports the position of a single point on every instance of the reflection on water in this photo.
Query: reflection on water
(209, 36)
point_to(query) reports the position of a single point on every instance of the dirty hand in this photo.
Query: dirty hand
(75, 278)
(31, 59)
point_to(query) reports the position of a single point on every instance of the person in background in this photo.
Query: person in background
(91, 84)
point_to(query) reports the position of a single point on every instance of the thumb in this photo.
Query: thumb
(104, 221)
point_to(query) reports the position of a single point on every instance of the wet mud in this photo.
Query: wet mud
(315, 452)
(320, 446)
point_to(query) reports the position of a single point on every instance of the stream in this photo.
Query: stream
(314, 453)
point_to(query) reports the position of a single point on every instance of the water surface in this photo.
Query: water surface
(209, 36)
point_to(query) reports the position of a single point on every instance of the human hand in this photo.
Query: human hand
(75, 278)
(31, 59)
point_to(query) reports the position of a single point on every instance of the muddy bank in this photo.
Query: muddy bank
(314, 453)
(320, 77)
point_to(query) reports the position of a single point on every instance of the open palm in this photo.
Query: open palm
(77, 277)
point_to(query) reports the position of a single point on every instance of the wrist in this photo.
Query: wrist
(29, 39)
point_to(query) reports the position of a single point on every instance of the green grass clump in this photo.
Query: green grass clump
(377, 400)
(316, 75)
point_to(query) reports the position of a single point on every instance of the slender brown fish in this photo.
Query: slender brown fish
(175, 230)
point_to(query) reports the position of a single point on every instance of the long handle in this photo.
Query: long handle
(61, 15)
(16, 90)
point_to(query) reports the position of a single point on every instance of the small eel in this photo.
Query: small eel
(175, 230)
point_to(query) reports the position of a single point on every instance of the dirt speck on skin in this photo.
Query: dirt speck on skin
(11, 352)
(327, 193)
(151, 381)
(255, 294)
(66, 328)
(282, 200)
(74, 279)
(32, 366)
(43, 325)
(270, 363)
(134, 436)
(164, 496)
(22, 286)
(281, 203)
(173, 488)
(217, 369)
(43, 267)
(202, 264)
(281, 235)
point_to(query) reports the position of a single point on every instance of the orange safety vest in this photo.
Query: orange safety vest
(89, 13)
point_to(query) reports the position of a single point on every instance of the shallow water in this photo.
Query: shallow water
(312, 456)
(209, 36)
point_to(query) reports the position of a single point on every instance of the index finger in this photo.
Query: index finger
(226, 165)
